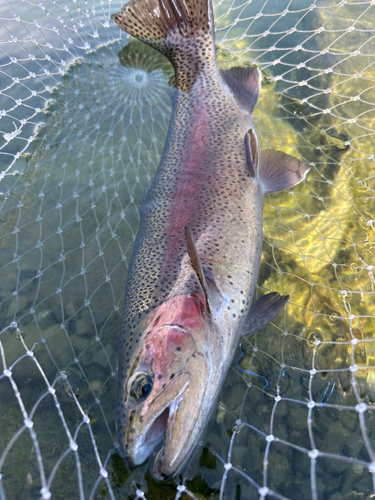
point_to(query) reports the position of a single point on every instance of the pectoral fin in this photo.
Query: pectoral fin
(278, 171)
(263, 311)
(206, 281)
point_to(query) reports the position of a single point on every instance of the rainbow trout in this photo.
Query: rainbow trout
(196, 258)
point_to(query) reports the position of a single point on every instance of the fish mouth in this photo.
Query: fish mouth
(157, 427)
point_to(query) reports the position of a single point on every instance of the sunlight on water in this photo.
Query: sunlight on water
(318, 248)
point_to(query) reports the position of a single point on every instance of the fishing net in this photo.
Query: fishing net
(84, 115)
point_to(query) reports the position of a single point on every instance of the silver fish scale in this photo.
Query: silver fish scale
(223, 213)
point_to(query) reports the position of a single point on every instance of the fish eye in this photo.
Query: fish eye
(140, 385)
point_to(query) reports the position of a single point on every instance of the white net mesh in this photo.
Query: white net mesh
(82, 128)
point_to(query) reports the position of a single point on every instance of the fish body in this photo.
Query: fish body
(196, 258)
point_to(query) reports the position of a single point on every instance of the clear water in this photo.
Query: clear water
(68, 225)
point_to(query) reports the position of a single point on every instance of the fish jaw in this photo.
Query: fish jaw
(158, 417)
(181, 370)
(183, 429)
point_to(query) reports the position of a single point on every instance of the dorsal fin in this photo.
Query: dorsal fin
(145, 193)
(244, 82)
(197, 266)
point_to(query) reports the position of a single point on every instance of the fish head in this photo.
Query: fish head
(164, 392)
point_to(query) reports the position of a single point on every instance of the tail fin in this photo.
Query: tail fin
(152, 19)
(182, 30)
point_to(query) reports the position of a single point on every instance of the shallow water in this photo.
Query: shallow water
(68, 225)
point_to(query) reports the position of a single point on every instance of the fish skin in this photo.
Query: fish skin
(177, 333)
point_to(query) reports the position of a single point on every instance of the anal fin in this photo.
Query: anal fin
(263, 311)
(244, 82)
